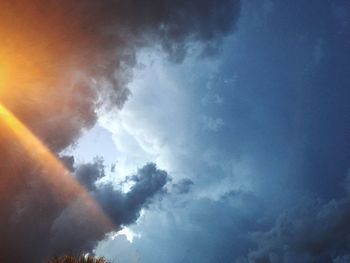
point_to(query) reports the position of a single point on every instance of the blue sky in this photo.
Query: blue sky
(260, 128)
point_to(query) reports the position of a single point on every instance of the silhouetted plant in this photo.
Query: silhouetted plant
(77, 259)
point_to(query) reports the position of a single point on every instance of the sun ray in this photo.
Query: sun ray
(57, 176)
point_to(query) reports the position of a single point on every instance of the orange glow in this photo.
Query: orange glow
(2, 76)
(36, 149)
(43, 91)
(26, 69)
(59, 180)
(47, 63)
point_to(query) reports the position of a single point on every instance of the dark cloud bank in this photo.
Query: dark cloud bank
(80, 55)
(313, 231)
(72, 232)
(236, 228)
(287, 112)
(87, 51)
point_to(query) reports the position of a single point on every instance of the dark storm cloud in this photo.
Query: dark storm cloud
(87, 50)
(311, 232)
(88, 174)
(64, 60)
(282, 109)
(75, 231)
(183, 186)
(204, 230)
(286, 136)
(38, 225)
(124, 209)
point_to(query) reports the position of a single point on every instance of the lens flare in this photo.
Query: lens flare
(56, 175)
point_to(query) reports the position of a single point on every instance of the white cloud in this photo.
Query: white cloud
(117, 248)
(152, 124)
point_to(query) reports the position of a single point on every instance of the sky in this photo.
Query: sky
(204, 131)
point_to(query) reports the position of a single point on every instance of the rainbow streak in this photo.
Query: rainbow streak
(57, 177)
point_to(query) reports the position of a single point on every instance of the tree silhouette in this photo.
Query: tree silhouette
(77, 259)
